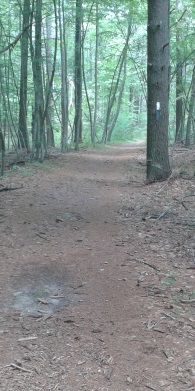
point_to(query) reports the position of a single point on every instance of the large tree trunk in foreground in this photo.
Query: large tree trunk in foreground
(158, 167)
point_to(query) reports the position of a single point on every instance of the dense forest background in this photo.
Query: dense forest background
(76, 71)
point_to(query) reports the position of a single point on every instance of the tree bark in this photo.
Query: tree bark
(23, 131)
(179, 103)
(49, 67)
(191, 110)
(2, 149)
(119, 100)
(78, 76)
(158, 167)
(93, 130)
(38, 123)
(179, 85)
(114, 88)
(64, 78)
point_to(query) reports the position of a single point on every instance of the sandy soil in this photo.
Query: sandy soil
(97, 274)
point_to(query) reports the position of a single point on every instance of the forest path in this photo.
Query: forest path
(96, 291)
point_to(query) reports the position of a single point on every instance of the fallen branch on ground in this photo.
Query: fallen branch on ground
(42, 237)
(145, 263)
(7, 188)
(20, 368)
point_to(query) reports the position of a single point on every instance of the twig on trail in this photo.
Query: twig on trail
(47, 317)
(108, 374)
(26, 339)
(189, 223)
(185, 207)
(162, 214)
(5, 366)
(20, 368)
(7, 188)
(42, 301)
(134, 181)
(168, 315)
(157, 193)
(150, 387)
(145, 263)
(151, 325)
(42, 237)
(182, 203)
(42, 312)
(165, 184)
(189, 195)
(187, 301)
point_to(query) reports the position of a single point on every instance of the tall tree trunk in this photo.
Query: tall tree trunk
(114, 88)
(179, 85)
(78, 76)
(158, 167)
(179, 102)
(64, 77)
(23, 131)
(2, 150)
(38, 123)
(119, 100)
(93, 131)
(90, 71)
(49, 66)
(191, 110)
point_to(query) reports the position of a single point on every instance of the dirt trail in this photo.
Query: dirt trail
(97, 276)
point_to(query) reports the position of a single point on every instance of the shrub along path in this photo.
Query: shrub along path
(97, 274)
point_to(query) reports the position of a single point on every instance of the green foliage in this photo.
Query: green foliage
(113, 18)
